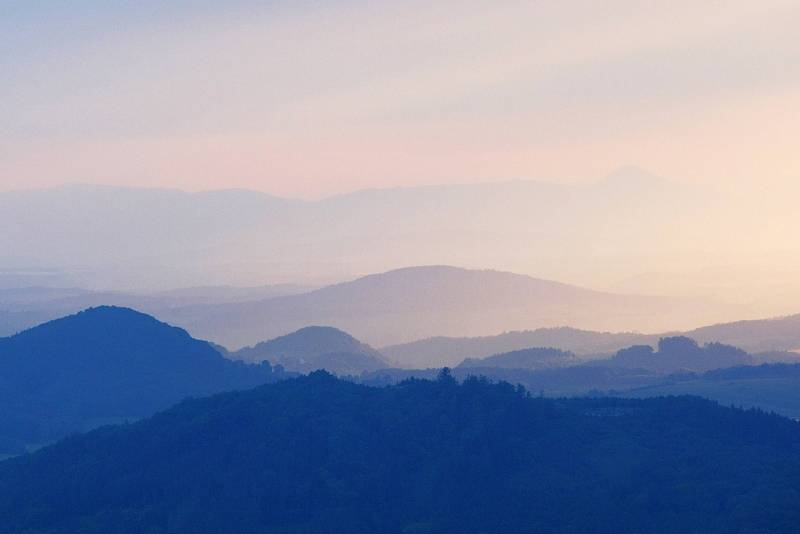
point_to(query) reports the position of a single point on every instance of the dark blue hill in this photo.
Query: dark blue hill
(317, 454)
(104, 364)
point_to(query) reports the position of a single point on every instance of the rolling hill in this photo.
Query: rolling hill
(679, 354)
(767, 340)
(418, 302)
(769, 387)
(123, 238)
(677, 366)
(534, 358)
(776, 334)
(316, 347)
(310, 455)
(104, 364)
(443, 351)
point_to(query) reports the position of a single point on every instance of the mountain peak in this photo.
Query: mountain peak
(446, 274)
(102, 364)
(103, 322)
(316, 347)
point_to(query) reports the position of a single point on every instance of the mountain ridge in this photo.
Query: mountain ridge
(305, 454)
(263, 239)
(415, 302)
(104, 364)
(777, 334)
(315, 347)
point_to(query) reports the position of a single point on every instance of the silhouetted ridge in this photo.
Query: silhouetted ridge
(532, 358)
(104, 364)
(779, 333)
(113, 329)
(773, 338)
(755, 372)
(317, 454)
(449, 351)
(681, 353)
(134, 230)
(316, 347)
(678, 366)
(417, 302)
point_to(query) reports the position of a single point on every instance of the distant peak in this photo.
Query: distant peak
(328, 336)
(424, 269)
(106, 310)
(103, 320)
(441, 269)
(439, 272)
(320, 330)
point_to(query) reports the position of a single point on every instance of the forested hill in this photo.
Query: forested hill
(104, 364)
(317, 454)
(316, 347)
(531, 358)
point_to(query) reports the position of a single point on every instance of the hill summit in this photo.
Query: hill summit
(316, 347)
(100, 365)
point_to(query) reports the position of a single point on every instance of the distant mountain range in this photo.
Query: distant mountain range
(717, 371)
(102, 365)
(450, 351)
(676, 366)
(533, 358)
(123, 238)
(421, 306)
(676, 354)
(778, 335)
(317, 454)
(417, 302)
(109, 364)
(768, 387)
(381, 309)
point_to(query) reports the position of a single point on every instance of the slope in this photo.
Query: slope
(317, 454)
(100, 365)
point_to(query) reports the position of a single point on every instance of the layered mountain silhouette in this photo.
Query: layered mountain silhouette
(25, 307)
(104, 364)
(533, 358)
(420, 302)
(316, 347)
(128, 228)
(769, 387)
(129, 237)
(557, 382)
(782, 333)
(673, 366)
(680, 354)
(310, 455)
(444, 351)
(767, 340)
(417, 302)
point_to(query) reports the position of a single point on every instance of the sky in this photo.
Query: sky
(308, 99)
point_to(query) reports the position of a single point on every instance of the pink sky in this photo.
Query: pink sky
(309, 101)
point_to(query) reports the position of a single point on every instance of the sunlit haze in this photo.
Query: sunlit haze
(672, 128)
(350, 266)
(307, 99)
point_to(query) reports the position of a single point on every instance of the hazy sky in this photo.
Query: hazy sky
(311, 98)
